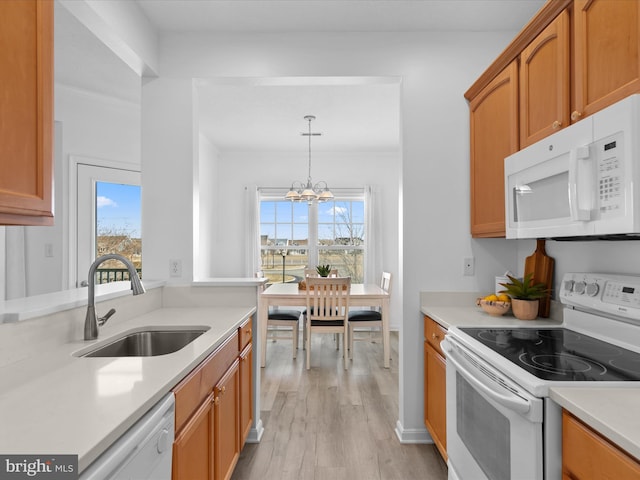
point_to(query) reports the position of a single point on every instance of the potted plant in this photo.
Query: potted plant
(525, 296)
(323, 270)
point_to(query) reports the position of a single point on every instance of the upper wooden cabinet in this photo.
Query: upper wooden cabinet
(544, 82)
(606, 47)
(574, 58)
(26, 112)
(494, 135)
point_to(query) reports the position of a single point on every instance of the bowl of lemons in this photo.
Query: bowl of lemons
(495, 305)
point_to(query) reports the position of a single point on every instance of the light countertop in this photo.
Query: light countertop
(58, 403)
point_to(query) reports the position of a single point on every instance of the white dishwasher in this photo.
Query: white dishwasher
(143, 452)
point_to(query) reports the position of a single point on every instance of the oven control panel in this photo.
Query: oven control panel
(611, 294)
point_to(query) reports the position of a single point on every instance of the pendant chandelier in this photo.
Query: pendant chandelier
(301, 192)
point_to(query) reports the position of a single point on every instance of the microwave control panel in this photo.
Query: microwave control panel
(610, 175)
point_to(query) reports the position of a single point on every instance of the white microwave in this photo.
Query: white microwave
(581, 181)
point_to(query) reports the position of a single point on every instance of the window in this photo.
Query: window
(118, 229)
(294, 235)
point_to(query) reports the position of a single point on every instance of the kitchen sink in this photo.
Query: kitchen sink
(145, 343)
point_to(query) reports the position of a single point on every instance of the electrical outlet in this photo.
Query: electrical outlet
(175, 268)
(469, 266)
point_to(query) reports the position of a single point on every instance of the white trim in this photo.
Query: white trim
(412, 435)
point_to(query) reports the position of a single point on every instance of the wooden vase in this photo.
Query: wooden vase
(525, 309)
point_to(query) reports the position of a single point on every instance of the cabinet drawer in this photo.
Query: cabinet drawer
(199, 383)
(434, 333)
(245, 334)
(224, 356)
(586, 454)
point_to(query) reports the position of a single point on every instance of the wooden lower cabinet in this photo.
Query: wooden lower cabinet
(214, 411)
(226, 430)
(192, 446)
(246, 393)
(587, 455)
(435, 401)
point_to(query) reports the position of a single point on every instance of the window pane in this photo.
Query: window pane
(325, 212)
(350, 263)
(357, 212)
(325, 234)
(283, 211)
(267, 211)
(300, 212)
(118, 218)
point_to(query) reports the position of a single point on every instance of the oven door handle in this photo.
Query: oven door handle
(512, 402)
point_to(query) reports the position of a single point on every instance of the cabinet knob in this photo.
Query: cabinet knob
(556, 125)
(216, 400)
(575, 115)
(223, 389)
(434, 336)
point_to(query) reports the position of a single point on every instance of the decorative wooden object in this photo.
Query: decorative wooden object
(541, 265)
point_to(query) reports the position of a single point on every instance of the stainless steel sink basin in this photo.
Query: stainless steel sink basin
(146, 343)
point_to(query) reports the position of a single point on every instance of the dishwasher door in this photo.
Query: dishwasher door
(143, 452)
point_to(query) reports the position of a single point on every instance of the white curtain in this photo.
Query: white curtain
(373, 234)
(252, 237)
(15, 262)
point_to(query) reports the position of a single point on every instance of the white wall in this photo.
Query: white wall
(208, 213)
(435, 69)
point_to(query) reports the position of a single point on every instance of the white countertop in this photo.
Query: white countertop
(58, 403)
(613, 412)
(474, 316)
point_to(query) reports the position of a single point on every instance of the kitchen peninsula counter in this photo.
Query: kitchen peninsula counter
(56, 403)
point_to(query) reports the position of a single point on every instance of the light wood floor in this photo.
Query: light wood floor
(326, 423)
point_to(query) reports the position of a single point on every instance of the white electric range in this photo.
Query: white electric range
(501, 423)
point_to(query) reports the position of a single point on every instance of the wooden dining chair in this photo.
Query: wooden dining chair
(327, 310)
(279, 317)
(311, 272)
(361, 318)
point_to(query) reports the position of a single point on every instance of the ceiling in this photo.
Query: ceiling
(360, 116)
(338, 15)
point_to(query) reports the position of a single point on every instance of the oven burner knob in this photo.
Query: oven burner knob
(579, 287)
(568, 285)
(592, 289)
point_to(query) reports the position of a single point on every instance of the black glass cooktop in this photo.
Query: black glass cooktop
(560, 354)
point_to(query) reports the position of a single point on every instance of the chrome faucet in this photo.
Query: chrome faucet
(91, 322)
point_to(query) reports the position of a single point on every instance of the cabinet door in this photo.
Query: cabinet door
(226, 433)
(606, 47)
(26, 112)
(494, 135)
(586, 455)
(193, 446)
(246, 392)
(544, 83)
(435, 410)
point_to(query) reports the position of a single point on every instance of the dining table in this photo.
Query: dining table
(291, 295)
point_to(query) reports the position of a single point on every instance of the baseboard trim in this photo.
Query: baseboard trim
(413, 435)
(255, 434)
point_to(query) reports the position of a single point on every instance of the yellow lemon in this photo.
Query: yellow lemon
(503, 297)
(491, 298)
